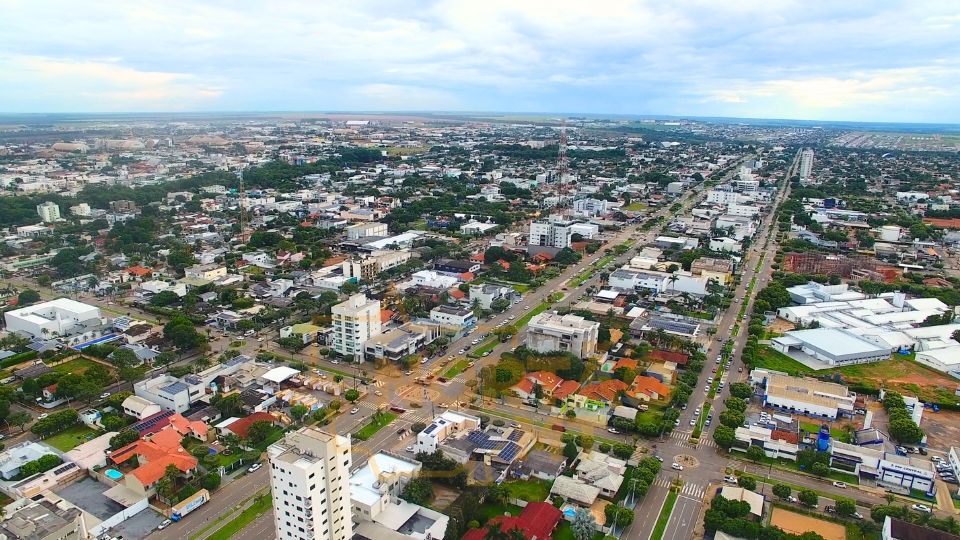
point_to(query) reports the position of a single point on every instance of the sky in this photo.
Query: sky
(875, 60)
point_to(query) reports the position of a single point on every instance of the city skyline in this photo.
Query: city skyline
(856, 61)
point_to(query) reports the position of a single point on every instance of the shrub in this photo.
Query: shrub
(605, 448)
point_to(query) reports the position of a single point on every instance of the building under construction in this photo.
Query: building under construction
(854, 267)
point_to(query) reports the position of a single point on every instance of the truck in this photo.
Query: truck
(186, 506)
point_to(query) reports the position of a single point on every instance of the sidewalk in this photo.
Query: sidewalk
(227, 518)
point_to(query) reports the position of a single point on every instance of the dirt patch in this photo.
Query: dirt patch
(781, 326)
(798, 524)
(442, 497)
(942, 428)
(903, 375)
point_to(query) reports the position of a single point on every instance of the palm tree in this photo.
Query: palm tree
(673, 282)
(516, 533)
(498, 494)
(495, 532)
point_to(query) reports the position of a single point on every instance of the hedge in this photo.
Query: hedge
(18, 358)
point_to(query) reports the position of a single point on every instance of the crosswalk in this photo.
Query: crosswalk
(681, 438)
(689, 489)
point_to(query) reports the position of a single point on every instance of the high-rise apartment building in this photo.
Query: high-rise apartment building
(354, 322)
(123, 206)
(310, 484)
(48, 211)
(550, 233)
(547, 332)
(806, 163)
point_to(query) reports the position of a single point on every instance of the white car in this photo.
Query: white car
(840, 485)
(355, 410)
(377, 393)
(105, 395)
(612, 430)
(42, 416)
(164, 524)
(922, 508)
(261, 340)
(512, 317)
(693, 421)
(461, 351)
(423, 361)
(676, 466)
(255, 467)
(409, 449)
(526, 308)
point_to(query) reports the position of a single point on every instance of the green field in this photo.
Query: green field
(372, 428)
(69, 439)
(245, 518)
(531, 490)
(634, 207)
(565, 532)
(456, 369)
(77, 366)
(770, 359)
(665, 512)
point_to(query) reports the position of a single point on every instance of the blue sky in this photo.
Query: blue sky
(824, 60)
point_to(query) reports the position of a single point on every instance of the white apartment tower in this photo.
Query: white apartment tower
(547, 332)
(354, 322)
(806, 163)
(48, 211)
(551, 233)
(310, 484)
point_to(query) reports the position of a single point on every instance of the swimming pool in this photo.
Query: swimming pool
(569, 512)
(113, 474)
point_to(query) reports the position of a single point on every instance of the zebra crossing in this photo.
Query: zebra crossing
(681, 438)
(695, 491)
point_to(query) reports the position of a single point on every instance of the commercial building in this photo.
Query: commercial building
(456, 268)
(722, 197)
(354, 322)
(802, 395)
(547, 332)
(209, 272)
(829, 346)
(453, 317)
(889, 471)
(379, 512)
(310, 484)
(895, 529)
(709, 268)
(56, 317)
(362, 230)
(550, 234)
(488, 293)
(48, 212)
(448, 423)
(433, 279)
(401, 342)
(123, 206)
(27, 519)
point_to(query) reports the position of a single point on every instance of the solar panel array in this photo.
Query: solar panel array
(477, 437)
(175, 388)
(672, 326)
(509, 452)
(64, 468)
(151, 421)
(430, 429)
(515, 435)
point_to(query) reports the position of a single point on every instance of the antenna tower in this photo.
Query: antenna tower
(562, 154)
(243, 197)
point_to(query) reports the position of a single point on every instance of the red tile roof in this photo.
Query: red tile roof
(625, 362)
(525, 386)
(467, 276)
(139, 271)
(784, 436)
(605, 390)
(385, 315)
(650, 386)
(566, 389)
(477, 258)
(458, 294)
(669, 356)
(240, 427)
(547, 380)
(536, 520)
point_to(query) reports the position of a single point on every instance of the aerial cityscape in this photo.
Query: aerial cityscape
(403, 297)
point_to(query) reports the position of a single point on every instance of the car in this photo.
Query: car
(442, 405)
(613, 430)
(706, 389)
(105, 395)
(676, 466)
(164, 524)
(709, 419)
(658, 458)
(408, 373)
(951, 480)
(261, 340)
(676, 423)
(693, 421)
(526, 308)
(355, 410)
(922, 508)
(514, 425)
(840, 485)
(791, 498)
(923, 451)
(255, 467)
(487, 353)
(470, 364)
(334, 362)
(710, 380)
(42, 416)
(683, 407)
(423, 361)
(730, 479)
(856, 515)
(512, 317)
(739, 370)
(409, 449)
(714, 370)
(377, 393)
(461, 351)
(830, 509)
(696, 411)
(938, 459)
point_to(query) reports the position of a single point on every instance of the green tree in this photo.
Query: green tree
(297, 412)
(584, 525)
(747, 482)
(586, 442)
(27, 297)
(417, 427)
(418, 491)
(123, 438)
(820, 469)
(351, 395)
(809, 498)
(19, 419)
(845, 507)
(211, 481)
(259, 431)
(732, 419)
(736, 404)
(905, 430)
(782, 490)
(724, 437)
(570, 451)
(741, 390)
(755, 453)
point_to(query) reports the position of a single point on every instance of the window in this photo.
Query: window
(311, 475)
(313, 487)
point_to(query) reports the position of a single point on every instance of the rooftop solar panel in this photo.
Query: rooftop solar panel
(64, 468)
(515, 435)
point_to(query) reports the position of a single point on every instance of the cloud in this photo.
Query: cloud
(750, 58)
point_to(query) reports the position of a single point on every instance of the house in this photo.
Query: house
(649, 389)
(678, 358)
(541, 464)
(537, 521)
(16, 456)
(755, 500)
(599, 394)
(139, 407)
(575, 490)
(153, 459)
(239, 426)
(601, 471)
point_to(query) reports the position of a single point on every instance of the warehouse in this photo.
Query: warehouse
(56, 317)
(829, 346)
(803, 395)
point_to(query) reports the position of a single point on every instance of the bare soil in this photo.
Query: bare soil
(798, 524)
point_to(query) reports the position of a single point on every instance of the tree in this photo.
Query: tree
(351, 395)
(584, 525)
(297, 412)
(724, 437)
(417, 427)
(747, 482)
(27, 297)
(732, 419)
(755, 453)
(570, 451)
(741, 390)
(498, 494)
(845, 507)
(19, 419)
(736, 404)
(211, 481)
(809, 498)
(820, 469)
(586, 442)
(123, 438)
(229, 405)
(259, 431)
(418, 491)
(164, 298)
(905, 430)
(782, 490)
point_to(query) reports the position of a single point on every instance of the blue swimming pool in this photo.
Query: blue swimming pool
(109, 337)
(113, 474)
(569, 512)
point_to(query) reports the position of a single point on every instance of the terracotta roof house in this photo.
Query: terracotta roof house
(547, 380)
(153, 459)
(458, 294)
(566, 389)
(649, 388)
(669, 356)
(625, 362)
(240, 426)
(593, 395)
(537, 521)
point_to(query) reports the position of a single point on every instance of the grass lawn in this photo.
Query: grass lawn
(4, 499)
(665, 512)
(245, 518)
(777, 361)
(370, 429)
(521, 288)
(487, 346)
(565, 532)
(531, 490)
(488, 511)
(838, 434)
(274, 436)
(634, 207)
(77, 366)
(456, 369)
(69, 439)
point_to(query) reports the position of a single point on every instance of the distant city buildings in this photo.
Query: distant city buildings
(49, 212)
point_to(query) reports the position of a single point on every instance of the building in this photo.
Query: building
(720, 270)
(456, 268)
(551, 234)
(802, 395)
(488, 293)
(448, 423)
(722, 197)
(354, 322)
(453, 317)
(81, 210)
(536, 521)
(895, 529)
(33, 231)
(725, 244)
(755, 500)
(43, 520)
(361, 269)
(209, 272)
(434, 279)
(16, 456)
(310, 484)
(401, 342)
(60, 317)
(830, 346)
(547, 332)
(362, 230)
(123, 207)
(49, 211)
(379, 512)
(139, 407)
(806, 163)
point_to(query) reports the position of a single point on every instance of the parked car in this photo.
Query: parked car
(423, 361)
(613, 430)
(676, 466)
(730, 479)
(410, 449)
(377, 393)
(255, 467)
(164, 524)
(922, 508)
(791, 498)
(105, 395)
(355, 410)
(831, 509)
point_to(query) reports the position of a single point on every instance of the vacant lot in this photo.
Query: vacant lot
(799, 524)
(942, 428)
(69, 439)
(77, 366)
(903, 375)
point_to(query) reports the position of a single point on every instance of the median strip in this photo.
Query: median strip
(665, 514)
